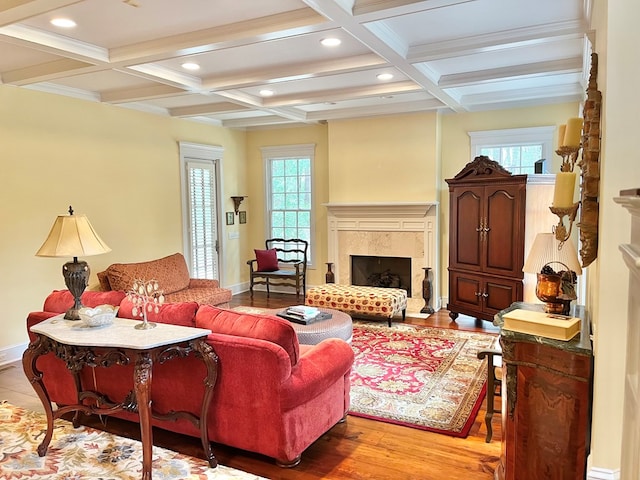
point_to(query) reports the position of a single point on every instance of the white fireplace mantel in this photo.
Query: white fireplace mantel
(395, 209)
(396, 229)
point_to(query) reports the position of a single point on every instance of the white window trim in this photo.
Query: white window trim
(290, 151)
(514, 136)
(212, 153)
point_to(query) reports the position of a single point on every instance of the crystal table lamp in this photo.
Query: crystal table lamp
(555, 265)
(73, 236)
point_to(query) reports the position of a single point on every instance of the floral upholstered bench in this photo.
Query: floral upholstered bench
(359, 300)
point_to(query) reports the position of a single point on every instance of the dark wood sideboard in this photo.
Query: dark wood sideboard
(546, 403)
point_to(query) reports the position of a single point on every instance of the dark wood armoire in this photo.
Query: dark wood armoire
(486, 239)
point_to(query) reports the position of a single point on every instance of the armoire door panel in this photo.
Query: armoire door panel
(501, 215)
(499, 295)
(467, 290)
(467, 247)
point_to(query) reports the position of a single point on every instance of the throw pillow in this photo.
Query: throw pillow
(267, 260)
(182, 313)
(59, 301)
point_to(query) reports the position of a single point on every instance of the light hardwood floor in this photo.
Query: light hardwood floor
(357, 449)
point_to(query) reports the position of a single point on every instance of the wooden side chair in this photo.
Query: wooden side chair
(494, 384)
(282, 263)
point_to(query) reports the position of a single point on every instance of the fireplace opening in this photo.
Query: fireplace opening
(388, 272)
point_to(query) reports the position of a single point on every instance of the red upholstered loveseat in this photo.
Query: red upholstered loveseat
(172, 275)
(272, 396)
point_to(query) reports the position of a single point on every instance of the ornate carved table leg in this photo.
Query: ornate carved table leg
(142, 385)
(210, 359)
(39, 347)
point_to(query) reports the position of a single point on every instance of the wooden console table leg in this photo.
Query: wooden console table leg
(210, 359)
(142, 385)
(37, 348)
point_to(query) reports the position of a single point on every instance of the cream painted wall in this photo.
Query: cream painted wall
(366, 154)
(256, 231)
(119, 167)
(616, 43)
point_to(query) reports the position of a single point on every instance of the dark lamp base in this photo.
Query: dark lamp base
(76, 277)
(558, 308)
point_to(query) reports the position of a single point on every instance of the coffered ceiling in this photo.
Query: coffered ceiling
(447, 55)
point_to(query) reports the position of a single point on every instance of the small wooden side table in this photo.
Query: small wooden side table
(546, 402)
(119, 344)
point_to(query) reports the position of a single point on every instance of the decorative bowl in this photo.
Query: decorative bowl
(99, 316)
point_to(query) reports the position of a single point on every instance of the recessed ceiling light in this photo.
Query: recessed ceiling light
(63, 22)
(331, 42)
(266, 92)
(384, 76)
(190, 66)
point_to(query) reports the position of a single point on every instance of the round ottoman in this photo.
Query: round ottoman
(338, 326)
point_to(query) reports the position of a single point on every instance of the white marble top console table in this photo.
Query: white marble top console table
(119, 344)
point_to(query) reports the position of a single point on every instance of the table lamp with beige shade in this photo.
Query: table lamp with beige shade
(555, 263)
(73, 236)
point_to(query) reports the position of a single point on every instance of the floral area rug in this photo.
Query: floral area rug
(423, 377)
(85, 453)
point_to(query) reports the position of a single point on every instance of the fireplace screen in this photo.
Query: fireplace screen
(389, 272)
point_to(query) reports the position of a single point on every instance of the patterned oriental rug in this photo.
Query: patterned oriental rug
(422, 377)
(85, 453)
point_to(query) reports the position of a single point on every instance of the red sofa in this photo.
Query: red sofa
(272, 396)
(172, 275)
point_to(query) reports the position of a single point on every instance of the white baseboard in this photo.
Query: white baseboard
(12, 353)
(596, 473)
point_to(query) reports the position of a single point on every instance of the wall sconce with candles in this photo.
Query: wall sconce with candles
(587, 130)
(237, 200)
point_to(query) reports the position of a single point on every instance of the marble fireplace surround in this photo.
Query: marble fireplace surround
(387, 230)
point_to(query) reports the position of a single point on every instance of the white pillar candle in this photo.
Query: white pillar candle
(573, 133)
(561, 133)
(564, 188)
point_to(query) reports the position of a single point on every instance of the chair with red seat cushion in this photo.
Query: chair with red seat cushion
(282, 263)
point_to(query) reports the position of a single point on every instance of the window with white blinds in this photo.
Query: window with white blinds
(203, 225)
(200, 184)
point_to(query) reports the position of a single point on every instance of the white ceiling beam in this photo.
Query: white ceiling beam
(553, 32)
(525, 102)
(249, 122)
(44, 72)
(342, 94)
(208, 109)
(372, 10)
(282, 73)
(165, 75)
(12, 11)
(346, 21)
(138, 94)
(567, 90)
(390, 108)
(54, 44)
(554, 67)
(253, 102)
(223, 36)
